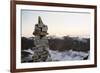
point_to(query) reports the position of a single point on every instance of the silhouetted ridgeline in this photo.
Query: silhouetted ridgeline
(68, 43)
(60, 44)
(26, 43)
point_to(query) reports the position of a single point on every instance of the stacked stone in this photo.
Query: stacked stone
(41, 52)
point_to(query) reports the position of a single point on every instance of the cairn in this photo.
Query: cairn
(41, 49)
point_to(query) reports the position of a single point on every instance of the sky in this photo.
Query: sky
(59, 23)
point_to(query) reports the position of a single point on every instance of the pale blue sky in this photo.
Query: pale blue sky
(59, 23)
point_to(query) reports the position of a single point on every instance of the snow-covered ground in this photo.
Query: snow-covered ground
(62, 56)
(67, 55)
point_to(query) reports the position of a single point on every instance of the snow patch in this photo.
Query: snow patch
(61, 56)
(67, 55)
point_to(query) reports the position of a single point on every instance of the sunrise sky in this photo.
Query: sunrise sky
(59, 23)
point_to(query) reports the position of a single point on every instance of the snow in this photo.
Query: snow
(67, 55)
(29, 50)
(61, 56)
